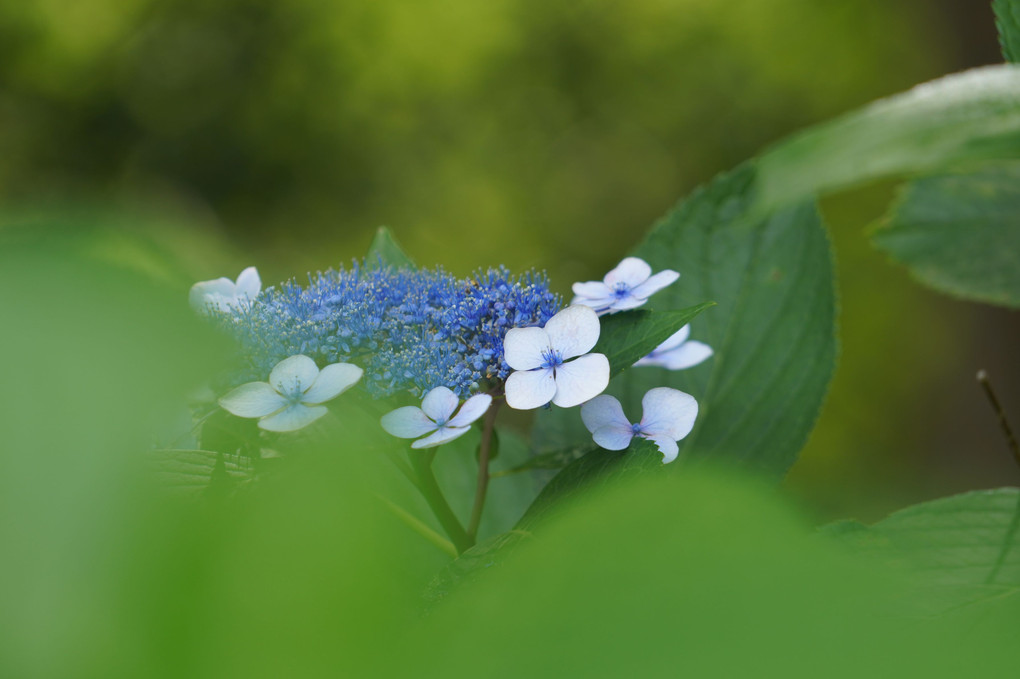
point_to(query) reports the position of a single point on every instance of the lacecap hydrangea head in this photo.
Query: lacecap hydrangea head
(410, 329)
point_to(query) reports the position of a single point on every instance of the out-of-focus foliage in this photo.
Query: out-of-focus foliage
(963, 553)
(692, 576)
(960, 233)
(536, 123)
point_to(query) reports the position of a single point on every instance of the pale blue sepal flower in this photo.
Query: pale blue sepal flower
(540, 356)
(293, 396)
(223, 295)
(628, 286)
(436, 418)
(668, 417)
(678, 352)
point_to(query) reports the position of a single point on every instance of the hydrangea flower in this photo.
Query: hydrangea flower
(223, 294)
(410, 329)
(293, 396)
(436, 418)
(628, 286)
(668, 417)
(540, 358)
(678, 352)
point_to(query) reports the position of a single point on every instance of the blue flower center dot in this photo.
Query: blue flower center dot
(551, 359)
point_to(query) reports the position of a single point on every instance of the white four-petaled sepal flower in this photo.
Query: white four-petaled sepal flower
(223, 294)
(294, 395)
(628, 286)
(668, 417)
(540, 357)
(436, 418)
(678, 352)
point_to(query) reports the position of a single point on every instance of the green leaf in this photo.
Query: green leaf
(962, 550)
(385, 252)
(960, 233)
(474, 564)
(773, 330)
(629, 336)
(963, 118)
(1007, 20)
(556, 459)
(596, 469)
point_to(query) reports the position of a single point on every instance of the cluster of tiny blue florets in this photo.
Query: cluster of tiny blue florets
(409, 329)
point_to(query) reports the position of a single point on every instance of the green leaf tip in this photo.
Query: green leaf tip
(386, 252)
(1007, 20)
(629, 336)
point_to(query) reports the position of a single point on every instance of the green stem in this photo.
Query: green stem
(422, 463)
(420, 528)
(482, 487)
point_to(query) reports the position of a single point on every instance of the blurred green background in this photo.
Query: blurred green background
(190, 138)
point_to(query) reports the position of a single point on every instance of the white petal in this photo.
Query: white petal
(294, 375)
(592, 290)
(599, 304)
(293, 418)
(602, 411)
(581, 380)
(527, 389)
(205, 293)
(408, 422)
(666, 446)
(439, 404)
(472, 409)
(668, 412)
(248, 283)
(332, 381)
(655, 283)
(676, 339)
(686, 356)
(523, 348)
(254, 399)
(443, 435)
(573, 331)
(632, 271)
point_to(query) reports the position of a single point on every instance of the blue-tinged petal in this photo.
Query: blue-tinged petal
(660, 355)
(613, 437)
(528, 389)
(632, 272)
(254, 399)
(525, 348)
(332, 381)
(655, 283)
(293, 417)
(472, 409)
(603, 411)
(248, 283)
(625, 303)
(574, 330)
(207, 293)
(439, 404)
(443, 435)
(668, 413)
(408, 422)
(581, 380)
(294, 375)
(686, 356)
(666, 446)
